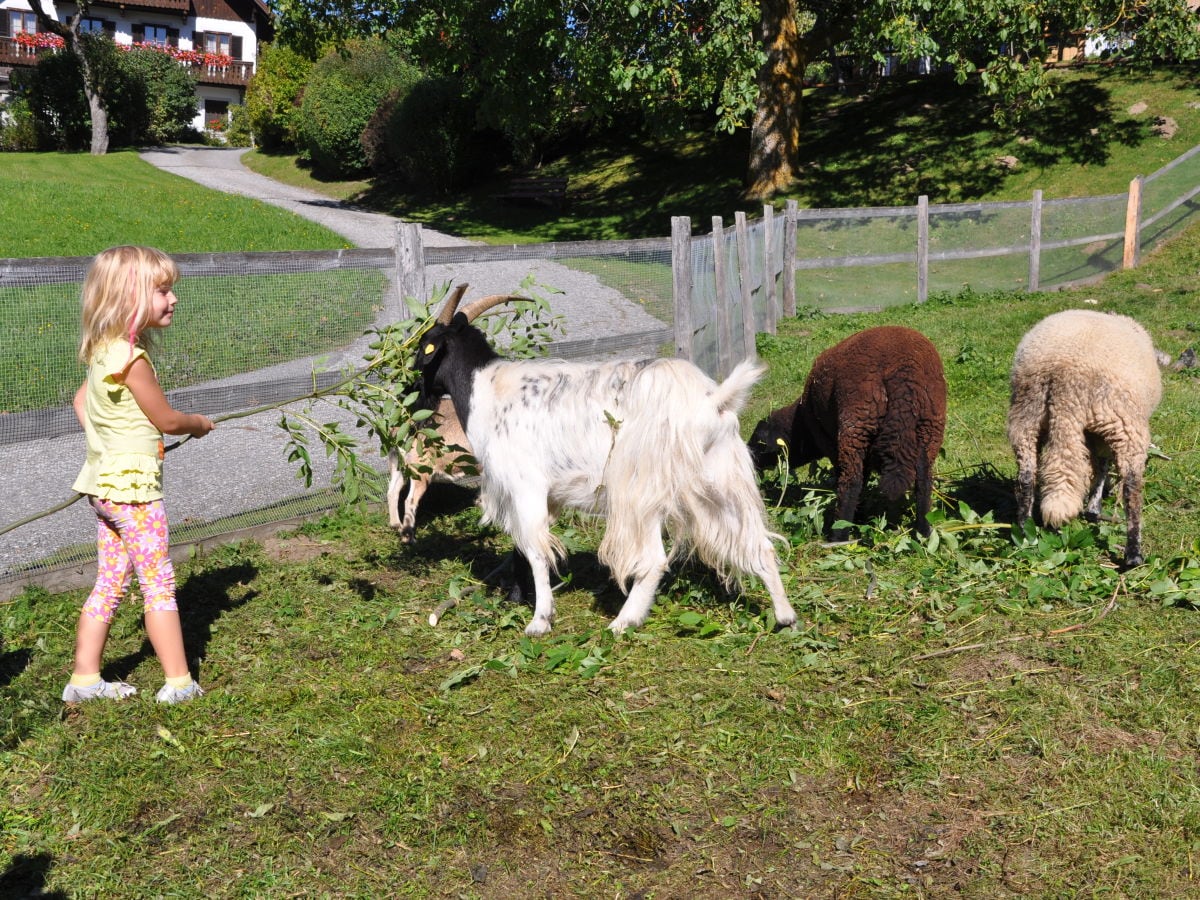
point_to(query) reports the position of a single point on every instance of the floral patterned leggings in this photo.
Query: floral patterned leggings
(131, 534)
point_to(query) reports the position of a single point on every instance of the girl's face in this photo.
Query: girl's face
(162, 306)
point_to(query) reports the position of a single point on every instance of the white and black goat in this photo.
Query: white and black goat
(649, 444)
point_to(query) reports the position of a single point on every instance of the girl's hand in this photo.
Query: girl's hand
(202, 426)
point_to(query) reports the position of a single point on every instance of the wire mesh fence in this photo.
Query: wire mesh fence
(254, 330)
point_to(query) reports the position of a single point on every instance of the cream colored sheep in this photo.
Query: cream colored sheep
(1084, 384)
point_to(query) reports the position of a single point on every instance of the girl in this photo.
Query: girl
(128, 292)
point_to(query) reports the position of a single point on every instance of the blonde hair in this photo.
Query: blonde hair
(118, 293)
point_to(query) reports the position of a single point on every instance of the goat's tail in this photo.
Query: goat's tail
(679, 463)
(730, 395)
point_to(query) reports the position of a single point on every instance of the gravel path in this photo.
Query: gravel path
(241, 465)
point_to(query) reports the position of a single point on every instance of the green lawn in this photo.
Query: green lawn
(67, 204)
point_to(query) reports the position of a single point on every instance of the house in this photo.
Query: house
(217, 40)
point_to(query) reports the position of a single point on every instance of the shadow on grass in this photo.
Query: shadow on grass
(985, 490)
(202, 599)
(26, 877)
(13, 663)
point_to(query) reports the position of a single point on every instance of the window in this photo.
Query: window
(23, 23)
(217, 43)
(155, 34)
(91, 26)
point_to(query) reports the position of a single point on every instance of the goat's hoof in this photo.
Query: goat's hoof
(787, 620)
(620, 626)
(538, 627)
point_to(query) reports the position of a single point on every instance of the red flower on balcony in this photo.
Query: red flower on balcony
(39, 40)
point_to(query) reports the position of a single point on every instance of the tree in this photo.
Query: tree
(540, 63)
(95, 71)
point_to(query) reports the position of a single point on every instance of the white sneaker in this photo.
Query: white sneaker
(168, 694)
(101, 690)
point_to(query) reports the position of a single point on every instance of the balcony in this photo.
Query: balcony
(205, 68)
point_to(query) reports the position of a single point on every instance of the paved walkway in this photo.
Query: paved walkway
(241, 466)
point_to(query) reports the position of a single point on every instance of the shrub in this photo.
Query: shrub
(17, 131)
(238, 133)
(431, 139)
(53, 92)
(154, 99)
(273, 97)
(340, 98)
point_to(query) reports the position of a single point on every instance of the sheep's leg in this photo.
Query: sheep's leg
(1095, 504)
(652, 565)
(924, 493)
(1132, 489)
(849, 489)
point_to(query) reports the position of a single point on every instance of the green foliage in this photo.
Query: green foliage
(430, 138)
(273, 97)
(152, 101)
(239, 133)
(18, 131)
(53, 89)
(342, 93)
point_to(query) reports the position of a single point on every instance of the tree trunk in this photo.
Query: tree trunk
(99, 117)
(775, 131)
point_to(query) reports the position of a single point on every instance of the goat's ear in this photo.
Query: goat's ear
(460, 321)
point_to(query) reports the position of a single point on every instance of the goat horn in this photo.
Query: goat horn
(446, 313)
(478, 307)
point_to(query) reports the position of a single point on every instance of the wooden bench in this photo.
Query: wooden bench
(546, 191)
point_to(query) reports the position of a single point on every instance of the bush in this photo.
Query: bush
(431, 139)
(340, 98)
(154, 99)
(273, 97)
(17, 131)
(238, 133)
(53, 92)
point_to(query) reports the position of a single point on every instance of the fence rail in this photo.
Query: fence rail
(261, 328)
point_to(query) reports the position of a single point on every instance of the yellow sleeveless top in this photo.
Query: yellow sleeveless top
(124, 449)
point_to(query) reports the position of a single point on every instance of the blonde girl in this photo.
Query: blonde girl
(127, 294)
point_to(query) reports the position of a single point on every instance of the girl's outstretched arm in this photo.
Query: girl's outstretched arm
(144, 386)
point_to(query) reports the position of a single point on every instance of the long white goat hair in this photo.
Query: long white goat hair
(648, 444)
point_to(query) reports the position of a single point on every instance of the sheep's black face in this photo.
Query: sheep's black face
(765, 445)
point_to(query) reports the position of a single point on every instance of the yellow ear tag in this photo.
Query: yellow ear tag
(781, 442)
(429, 348)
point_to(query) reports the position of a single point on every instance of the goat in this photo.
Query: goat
(650, 444)
(451, 462)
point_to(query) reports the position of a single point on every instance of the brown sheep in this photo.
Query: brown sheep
(874, 402)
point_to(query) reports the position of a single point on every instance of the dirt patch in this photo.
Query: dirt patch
(1138, 108)
(295, 548)
(1165, 127)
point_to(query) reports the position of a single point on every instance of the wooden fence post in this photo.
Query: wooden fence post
(1133, 224)
(922, 248)
(1035, 241)
(722, 311)
(749, 325)
(769, 293)
(681, 283)
(410, 264)
(791, 213)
